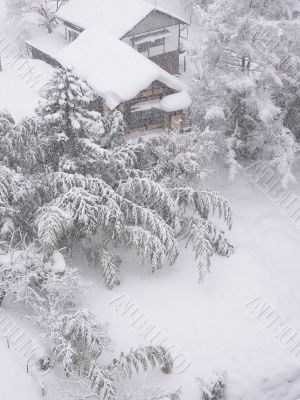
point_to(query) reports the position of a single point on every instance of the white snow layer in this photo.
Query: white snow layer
(19, 92)
(57, 262)
(209, 323)
(49, 44)
(115, 16)
(175, 102)
(115, 70)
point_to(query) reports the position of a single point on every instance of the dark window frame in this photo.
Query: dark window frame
(143, 47)
(144, 118)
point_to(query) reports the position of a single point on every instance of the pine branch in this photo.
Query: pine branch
(101, 382)
(205, 239)
(204, 202)
(141, 359)
(109, 264)
(153, 195)
(53, 223)
(146, 244)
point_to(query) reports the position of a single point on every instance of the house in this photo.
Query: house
(150, 30)
(128, 52)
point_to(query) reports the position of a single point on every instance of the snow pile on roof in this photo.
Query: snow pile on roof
(176, 102)
(49, 44)
(112, 68)
(115, 16)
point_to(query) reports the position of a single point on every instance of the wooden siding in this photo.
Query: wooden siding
(157, 90)
(39, 55)
(168, 61)
(144, 120)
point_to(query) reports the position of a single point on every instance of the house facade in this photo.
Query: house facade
(144, 113)
(159, 38)
(128, 52)
(155, 33)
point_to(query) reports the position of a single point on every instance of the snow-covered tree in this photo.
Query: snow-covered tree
(67, 116)
(21, 147)
(247, 58)
(43, 10)
(213, 389)
(82, 181)
(75, 339)
(141, 359)
(175, 158)
(16, 193)
(79, 341)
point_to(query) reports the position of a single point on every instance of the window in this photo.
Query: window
(72, 35)
(143, 43)
(143, 47)
(141, 119)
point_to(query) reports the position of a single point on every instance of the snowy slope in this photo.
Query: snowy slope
(209, 321)
(15, 97)
(15, 384)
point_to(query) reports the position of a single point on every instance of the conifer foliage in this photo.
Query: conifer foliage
(76, 340)
(92, 185)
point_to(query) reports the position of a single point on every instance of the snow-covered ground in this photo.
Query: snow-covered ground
(209, 321)
(15, 383)
(19, 93)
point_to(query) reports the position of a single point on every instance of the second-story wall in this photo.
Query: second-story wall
(155, 42)
(158, 38)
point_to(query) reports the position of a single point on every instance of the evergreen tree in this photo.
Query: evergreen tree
(83, 181)
(75, 338)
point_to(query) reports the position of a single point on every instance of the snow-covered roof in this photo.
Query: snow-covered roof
(49, 44)
(173, 102)
(176, 101)
(113, 69)
(115, 16)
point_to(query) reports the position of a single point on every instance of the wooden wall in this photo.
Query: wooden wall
(39, 55)
(140, 121)
(168, 61)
